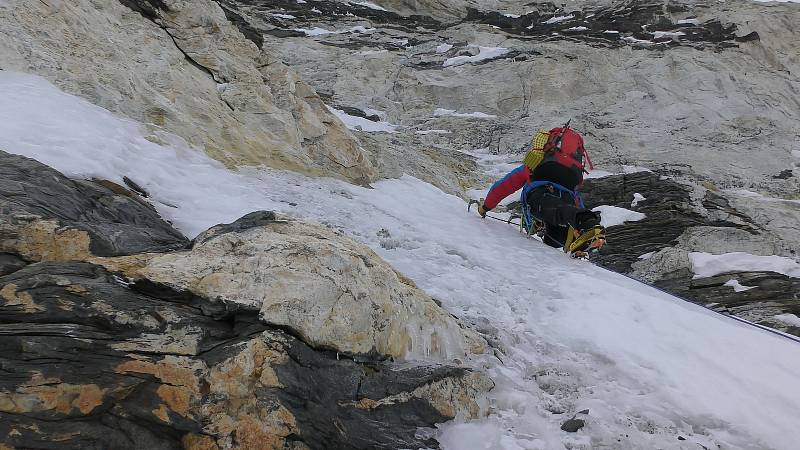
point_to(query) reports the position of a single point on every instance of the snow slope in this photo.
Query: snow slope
(649, 368)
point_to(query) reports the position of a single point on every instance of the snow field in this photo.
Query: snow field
(570, 336)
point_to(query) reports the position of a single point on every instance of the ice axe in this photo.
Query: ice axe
(472, 201)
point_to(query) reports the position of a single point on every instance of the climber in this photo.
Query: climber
(551, 173)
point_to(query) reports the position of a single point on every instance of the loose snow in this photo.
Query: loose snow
(362, 124)
(738, 287)
(637, 197)
(788, 319)
(484, 54)
(441, 112)
(569, 335)
(614, 215)
(283, 16)
(576, 29)
(708, 265)
(688, 22)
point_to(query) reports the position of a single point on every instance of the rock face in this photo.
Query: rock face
(182, 66)
(333, 292)
(678, 221)
(267, 334)
(91, 363)
(46, 216)
(638, 95)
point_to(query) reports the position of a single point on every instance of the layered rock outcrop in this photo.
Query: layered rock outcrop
(183, 67)
(92, 363)
(268, 333)
(679, 220)
(46, 216)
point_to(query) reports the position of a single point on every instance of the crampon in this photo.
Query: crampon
(587, 243)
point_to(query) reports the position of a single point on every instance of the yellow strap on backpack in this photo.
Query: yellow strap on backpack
(540, 140)
(535, 156)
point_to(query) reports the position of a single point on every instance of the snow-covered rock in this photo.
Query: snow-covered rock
(182, 66)
(330, 290)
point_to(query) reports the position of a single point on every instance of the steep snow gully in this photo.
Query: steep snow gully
(652, 371)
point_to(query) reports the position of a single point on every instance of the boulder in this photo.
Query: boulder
(90, 361)
(47, 216)
(329, 290)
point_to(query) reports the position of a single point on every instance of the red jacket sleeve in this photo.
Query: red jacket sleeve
(506, 186)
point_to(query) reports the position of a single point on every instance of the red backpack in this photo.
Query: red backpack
(565, 146)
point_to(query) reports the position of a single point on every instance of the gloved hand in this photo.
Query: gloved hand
(482, 210)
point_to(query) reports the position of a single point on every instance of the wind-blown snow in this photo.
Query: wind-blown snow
(484, 54)
(708, 265)
(570, 335)
(362, 124)
(614, 215)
